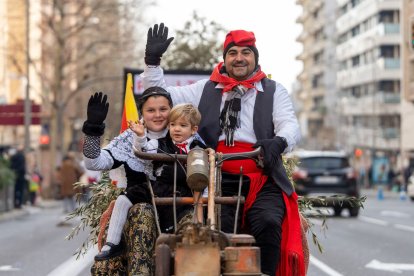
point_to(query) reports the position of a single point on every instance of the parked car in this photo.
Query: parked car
(327, 173)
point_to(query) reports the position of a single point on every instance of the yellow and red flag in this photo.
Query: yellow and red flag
(130, 108)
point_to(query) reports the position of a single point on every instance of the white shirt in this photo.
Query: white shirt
(284, 119)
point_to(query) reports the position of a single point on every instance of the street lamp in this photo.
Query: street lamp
(27, 102)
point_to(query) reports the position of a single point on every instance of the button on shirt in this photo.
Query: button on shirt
(284, 118)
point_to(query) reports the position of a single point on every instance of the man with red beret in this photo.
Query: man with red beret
(242, 109)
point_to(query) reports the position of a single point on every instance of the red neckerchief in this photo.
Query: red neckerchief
(229, 83)
(182, 147)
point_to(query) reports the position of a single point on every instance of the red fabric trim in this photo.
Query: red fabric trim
(257, 178)
(229, 83)
(292, 262)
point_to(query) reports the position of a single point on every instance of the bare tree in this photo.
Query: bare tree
(196, 46)
(85, 46)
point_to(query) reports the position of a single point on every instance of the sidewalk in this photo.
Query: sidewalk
(374, 193)
(17, 213)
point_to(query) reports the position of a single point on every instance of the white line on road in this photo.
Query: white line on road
(373, 220)
(329, 271)
(395, 214)
(404, 227)
(73, 267)
(392, 267)
(8, 268)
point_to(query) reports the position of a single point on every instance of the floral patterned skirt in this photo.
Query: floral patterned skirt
(140, 234)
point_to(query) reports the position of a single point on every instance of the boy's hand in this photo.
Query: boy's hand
(137, 127)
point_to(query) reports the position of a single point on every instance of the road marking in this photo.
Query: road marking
(329, 271)
(73, 267)
(8, 268)
(398, 268)
(373, 220)
(395, 214)
(404, 227)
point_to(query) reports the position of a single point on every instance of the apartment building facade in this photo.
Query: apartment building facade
(316, 91)
(407, 96)
(370, 73)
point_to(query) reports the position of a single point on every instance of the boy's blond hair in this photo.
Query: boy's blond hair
(187, 111)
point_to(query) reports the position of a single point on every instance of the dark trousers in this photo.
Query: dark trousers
(263, 220)
(19, 192)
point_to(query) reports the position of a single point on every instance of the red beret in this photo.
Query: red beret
(240, 38)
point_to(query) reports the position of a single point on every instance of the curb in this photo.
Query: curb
(18, 213)
(13, 214)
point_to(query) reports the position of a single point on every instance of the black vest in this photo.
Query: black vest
(209, 128)
(209, 108)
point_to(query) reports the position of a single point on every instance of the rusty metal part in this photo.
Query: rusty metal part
(241, 239)
(211, 189)
(197, 169)
(162, 260)
(243, 260)
(190, 200)
(198, 203)
(197, 260)
(183, 157)
(198, 253)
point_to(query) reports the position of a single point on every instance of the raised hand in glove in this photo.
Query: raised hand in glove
(96, 115)
(157, 44)
(271, 151)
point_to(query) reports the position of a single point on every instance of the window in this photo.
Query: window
(355, 61)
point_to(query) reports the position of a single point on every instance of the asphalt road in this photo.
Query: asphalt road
(378, 242)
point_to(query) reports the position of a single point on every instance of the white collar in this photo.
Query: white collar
(156, 134)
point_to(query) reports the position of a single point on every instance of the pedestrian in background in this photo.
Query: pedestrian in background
(69, 173)
(34, 187)
(18, 165)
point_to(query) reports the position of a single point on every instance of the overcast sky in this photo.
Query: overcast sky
(273, 23)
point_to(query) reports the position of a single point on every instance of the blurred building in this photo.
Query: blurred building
(14, 77)
(407, 98)
(317, 90)
(369, 77)
(373, 64)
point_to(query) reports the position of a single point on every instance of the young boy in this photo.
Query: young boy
(183, 122)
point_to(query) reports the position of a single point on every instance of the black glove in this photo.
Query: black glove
(157, 44)
(96, 115)
(271, 151)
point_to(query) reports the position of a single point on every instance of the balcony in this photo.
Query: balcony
(382, 103)
(383, 68)
(390, 63)
(363, 11)
(302, 18)
(379, 138)
(302, 37)
(384, 33)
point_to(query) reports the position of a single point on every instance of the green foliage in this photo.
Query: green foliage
(90, 213)
(196, 47)
(7, 175)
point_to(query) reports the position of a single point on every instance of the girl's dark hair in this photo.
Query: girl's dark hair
(153, 91)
